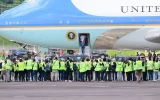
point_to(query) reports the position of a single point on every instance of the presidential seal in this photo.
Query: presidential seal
(71, 35)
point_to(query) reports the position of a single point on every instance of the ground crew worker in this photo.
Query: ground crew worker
(3, 71)
(88, 68)
(82, 70)
(144, 70)
(62, 70)
(21, 70)
(102, 70)
(150, 69)
(128, 70)
(119, 69)
(134, 70)
(156, 70)
(25, 68)
(29, 69)
(71, 70)
(8, 70)
(16, 71)
(139, 69)
(107, 72)
(48, 67)
(67, 76)
(97, 70)
(41, 69)
(75, 71)
(55, 68)
(35, 70)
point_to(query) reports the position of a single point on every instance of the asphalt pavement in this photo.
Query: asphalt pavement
(79, 91)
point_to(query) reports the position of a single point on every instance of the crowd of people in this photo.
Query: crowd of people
(34, 69)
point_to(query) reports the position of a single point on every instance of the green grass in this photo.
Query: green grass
(113, 53)
(6, 42)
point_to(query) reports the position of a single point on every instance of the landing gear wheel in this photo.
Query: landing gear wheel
(102, 56)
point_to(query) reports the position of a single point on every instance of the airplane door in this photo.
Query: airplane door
(86, 38)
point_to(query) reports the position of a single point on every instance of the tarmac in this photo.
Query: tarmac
(80, 91)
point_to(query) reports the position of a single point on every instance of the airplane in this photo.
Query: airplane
(105, 23)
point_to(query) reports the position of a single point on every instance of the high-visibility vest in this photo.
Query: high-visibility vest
(150, 65)
(55, 65)
(42, 65)
(128, 68)
(35, 66)
(21, 66)
(156, 66)
(88, 65)
(71, 66)
(29, 64)
(139, 64)
(98, 67)
(106, 65)
(119, 66)
(63, 65)
(16, 68)
(82, 67)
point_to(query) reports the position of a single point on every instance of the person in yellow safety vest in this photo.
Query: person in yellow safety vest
(134, 70)
(25, 68)
(62, 70)
(102, 69)
(88, 69)
(128, 70)
(119, 69)
(144, 70)
(139, 67)
(20, 66)
(8, 70)
(16, 71)
(107, 65)
(41, 70)
(29, 69)
(156, 69)
(35, 70)
(150, 69)
(3, 70)
(55, 69)
(82, 70)
(97, 69)
(71, 70)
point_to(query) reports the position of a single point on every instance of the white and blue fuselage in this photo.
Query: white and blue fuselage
(111, 25)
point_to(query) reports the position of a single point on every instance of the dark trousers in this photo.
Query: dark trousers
(68, 75)
(97, 75)
(0, 75)
(29, 75)
(134, 76)
(35, 75)
(114, 75)
(102, 74)
(123, 75)
(41, 75)
(82, 74)
(16, 75)
(25, 74)
(21, 76)
(83, 49)
(150, 73)
(88, 75)
(62, 75)
(47, 76)
(129, 76)
(145, 76)
(107, 76)
(76, 76)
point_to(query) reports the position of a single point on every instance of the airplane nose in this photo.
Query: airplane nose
(153, 36)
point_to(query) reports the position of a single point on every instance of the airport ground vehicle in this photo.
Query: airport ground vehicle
(98, 53)
(74, 57)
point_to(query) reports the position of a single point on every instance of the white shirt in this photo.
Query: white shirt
(37, 59)
(82, 37)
